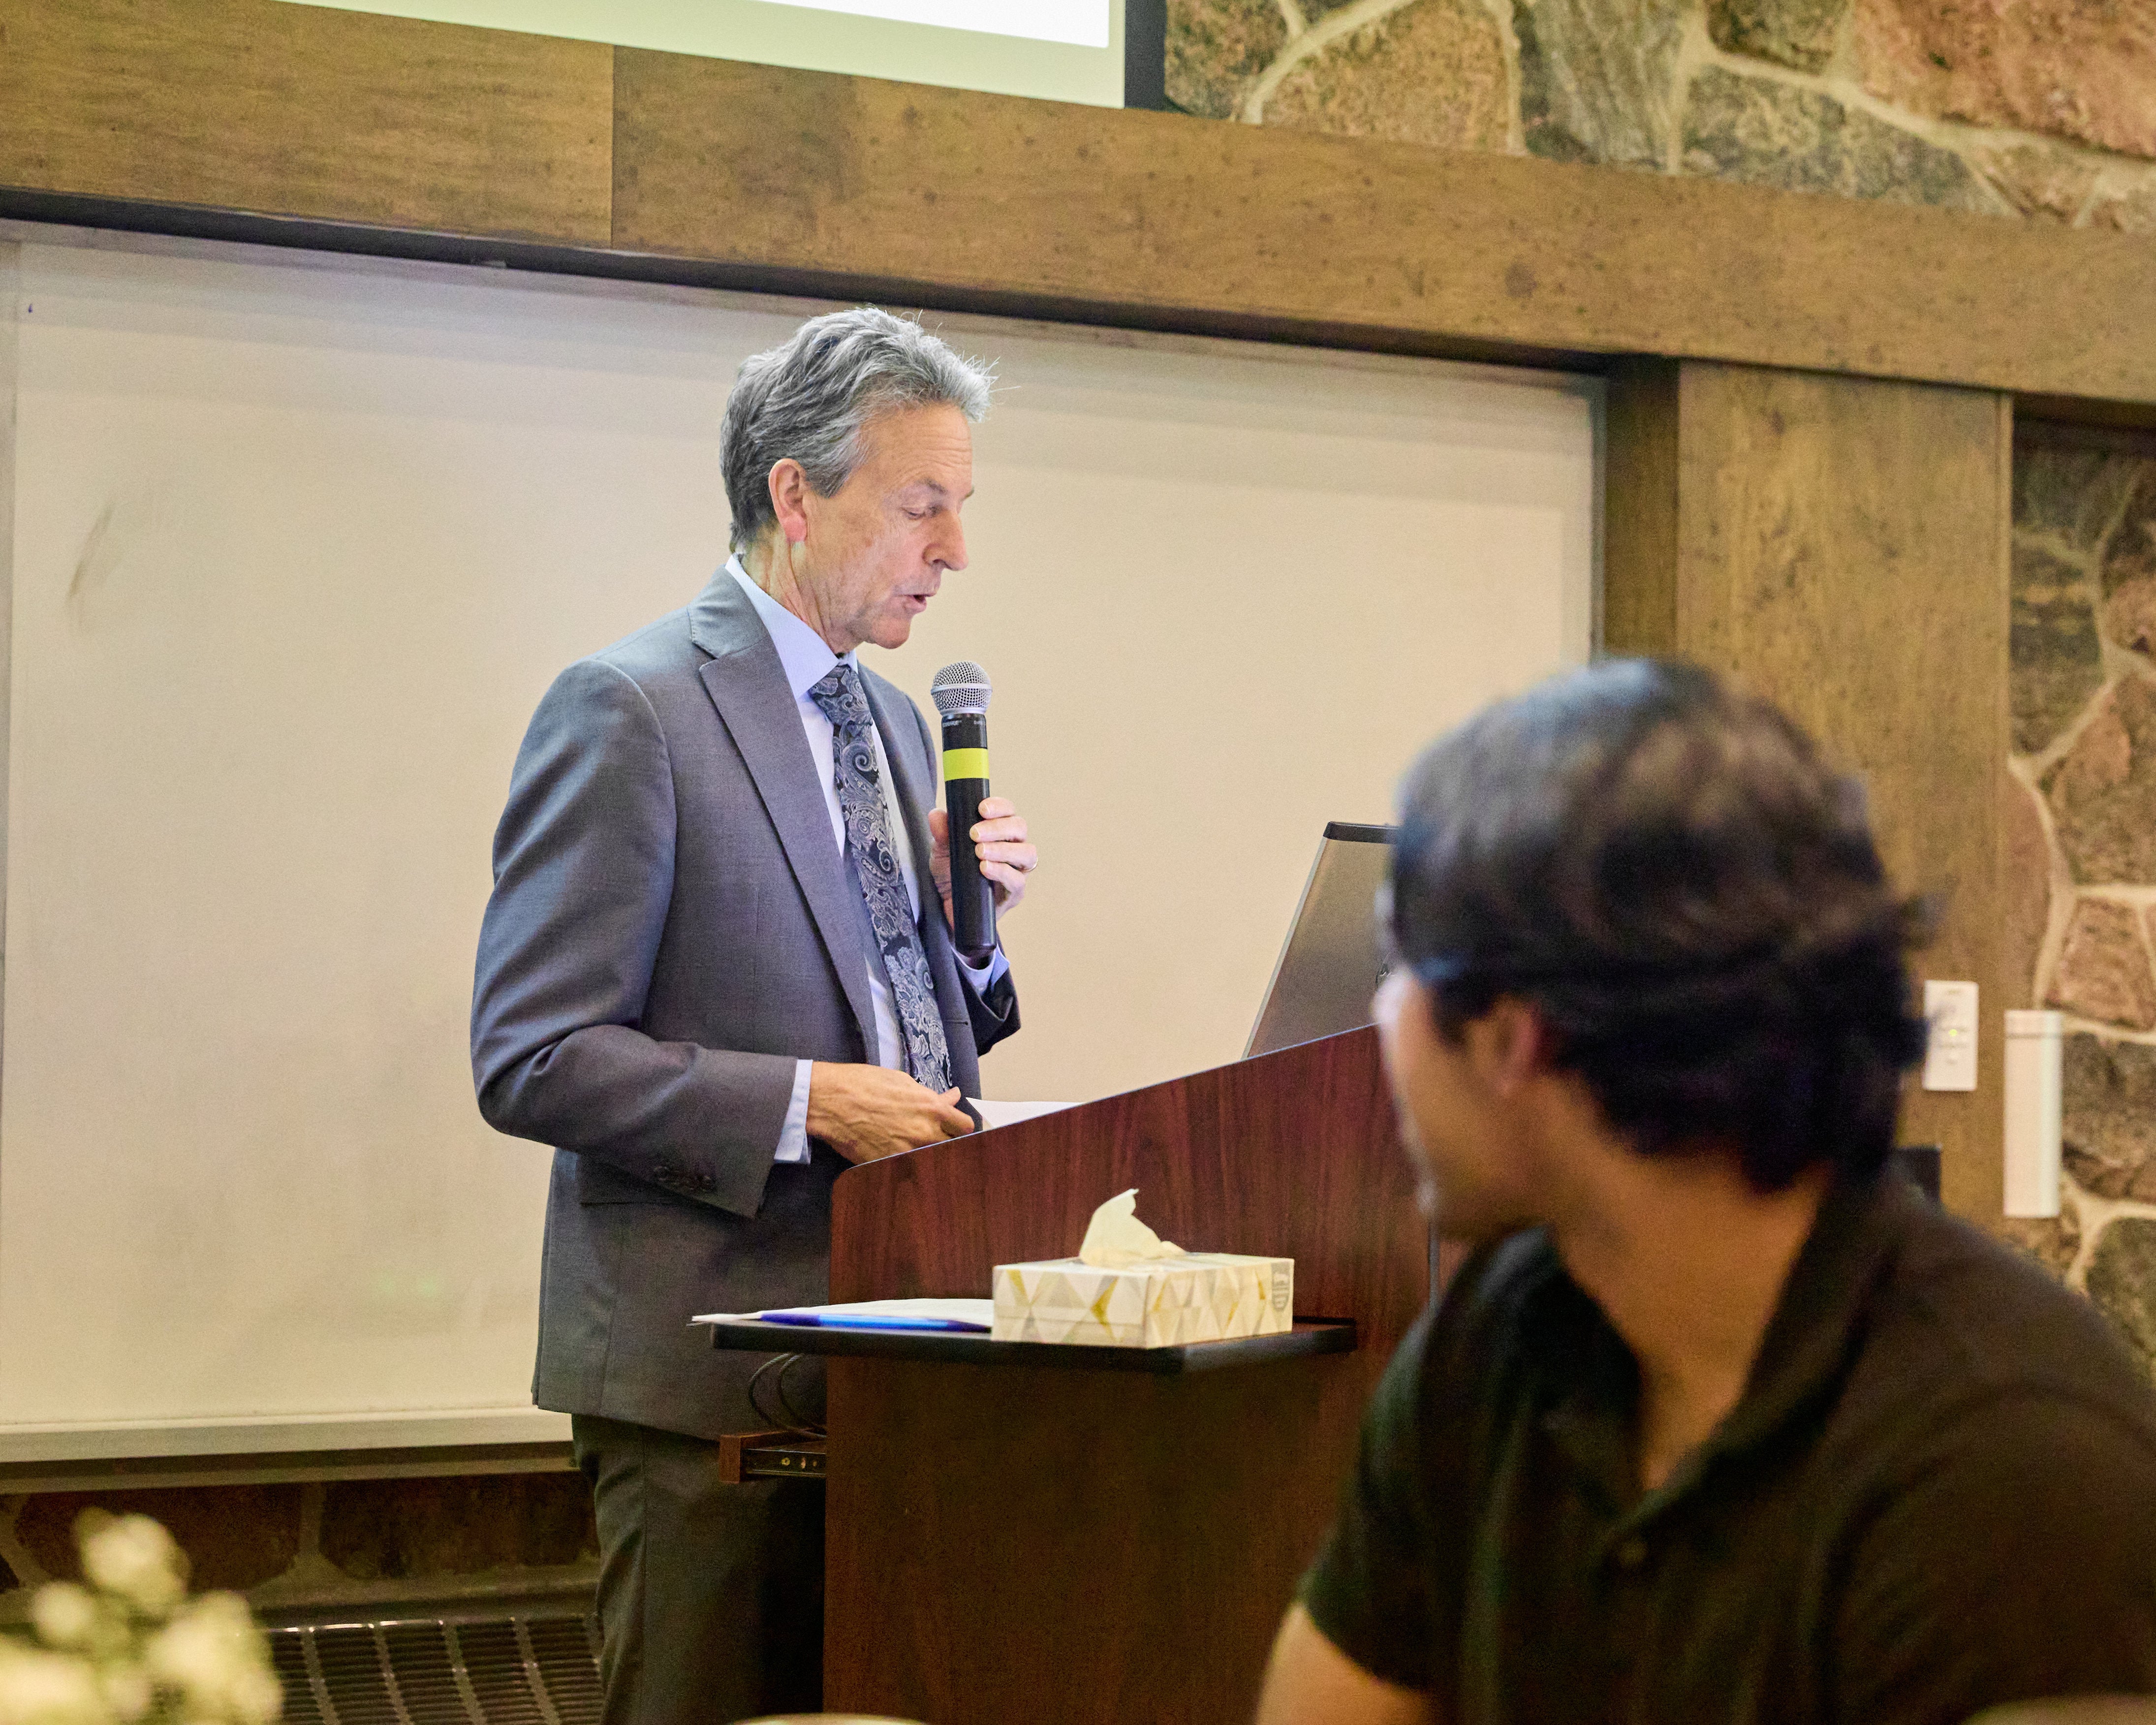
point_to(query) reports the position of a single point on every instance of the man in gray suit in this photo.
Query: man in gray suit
(710, 977)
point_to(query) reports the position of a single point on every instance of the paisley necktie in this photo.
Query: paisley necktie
(875, 861)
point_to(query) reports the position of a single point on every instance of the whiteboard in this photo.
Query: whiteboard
(1055, 50)
(300, 540)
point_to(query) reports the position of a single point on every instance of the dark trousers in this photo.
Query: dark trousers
(711, 1595)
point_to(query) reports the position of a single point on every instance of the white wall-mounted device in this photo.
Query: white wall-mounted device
(2034, 1112)
(1950, 1056)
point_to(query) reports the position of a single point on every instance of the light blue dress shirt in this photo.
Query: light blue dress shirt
(807, 660)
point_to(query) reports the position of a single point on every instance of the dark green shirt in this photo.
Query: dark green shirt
(1937, 1492)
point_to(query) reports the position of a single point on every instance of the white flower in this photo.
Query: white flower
(128, 1691)
(211, 1653)
(259, 1698)
(63, 1614)
(74, 1619)
(41, 1688)
(132, 1557)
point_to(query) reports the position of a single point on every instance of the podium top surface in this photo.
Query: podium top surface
(950, 1348)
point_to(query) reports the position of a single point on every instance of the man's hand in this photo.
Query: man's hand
(1000, 839)
(867, 1112)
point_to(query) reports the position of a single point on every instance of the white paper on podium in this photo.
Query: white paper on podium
(995, 1114)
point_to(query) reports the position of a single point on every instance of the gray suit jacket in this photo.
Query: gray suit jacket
(669, 934)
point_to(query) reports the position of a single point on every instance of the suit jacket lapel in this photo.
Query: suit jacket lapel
(749, 689)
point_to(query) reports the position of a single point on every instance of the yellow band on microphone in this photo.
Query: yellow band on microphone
(965, 763)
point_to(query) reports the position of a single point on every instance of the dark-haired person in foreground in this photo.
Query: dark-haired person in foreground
(1721, 1421)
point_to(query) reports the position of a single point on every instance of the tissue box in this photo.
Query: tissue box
(1199, 1296)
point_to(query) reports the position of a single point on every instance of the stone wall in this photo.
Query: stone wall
(2045, 110)
(2080, 825)
(298, 1550)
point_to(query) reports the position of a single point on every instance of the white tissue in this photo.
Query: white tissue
(1115, 1239)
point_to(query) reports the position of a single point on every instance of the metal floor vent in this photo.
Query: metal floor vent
(504, 1670)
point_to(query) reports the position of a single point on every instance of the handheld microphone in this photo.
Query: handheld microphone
(961, 691)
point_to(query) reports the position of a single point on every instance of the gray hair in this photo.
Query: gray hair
(810, 397)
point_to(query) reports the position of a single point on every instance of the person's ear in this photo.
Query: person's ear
(787, 482)
(1517, 1046)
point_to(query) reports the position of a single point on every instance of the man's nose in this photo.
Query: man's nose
(951, 551)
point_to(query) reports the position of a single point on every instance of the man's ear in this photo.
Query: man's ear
(787, 482)
(1517, 1046)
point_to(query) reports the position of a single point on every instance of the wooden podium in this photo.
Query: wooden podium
(1077, 1543)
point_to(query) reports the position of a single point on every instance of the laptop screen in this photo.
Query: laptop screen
(1331, 963)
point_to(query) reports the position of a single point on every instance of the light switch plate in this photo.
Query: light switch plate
(1950, 1054)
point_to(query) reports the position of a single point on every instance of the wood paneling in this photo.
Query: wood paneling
(1840, 545)
(303, 110)
(1639, 513)
(1085, 1548)
(1072, 1548)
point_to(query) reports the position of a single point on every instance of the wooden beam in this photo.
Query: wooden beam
(622, 160)
(1167, 218)
(1640, 508)
(1841, 546)
(302, 110)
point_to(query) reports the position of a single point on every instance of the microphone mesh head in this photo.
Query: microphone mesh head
(960, 687)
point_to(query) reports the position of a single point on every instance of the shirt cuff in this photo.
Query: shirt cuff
(984, 976)
(794, 1135)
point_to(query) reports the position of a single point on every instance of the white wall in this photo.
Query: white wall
(299, 541)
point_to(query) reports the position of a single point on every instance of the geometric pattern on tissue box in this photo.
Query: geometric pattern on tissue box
(1203, 1296)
